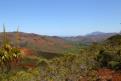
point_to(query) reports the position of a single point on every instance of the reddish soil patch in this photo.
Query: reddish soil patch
(26, 65)
(109, 75)
(82, 78)
(26, 51)
(67, 46)
(116, 77)
(105, 74)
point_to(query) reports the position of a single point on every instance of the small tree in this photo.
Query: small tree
(8, 54)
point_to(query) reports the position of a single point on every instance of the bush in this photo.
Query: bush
(115, 65)
(103, 58)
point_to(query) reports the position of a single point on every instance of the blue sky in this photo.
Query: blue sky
(61, 17)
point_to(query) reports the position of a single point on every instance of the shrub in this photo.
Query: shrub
(103, 58)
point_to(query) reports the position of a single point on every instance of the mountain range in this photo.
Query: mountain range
(53, 44)
(92, 37)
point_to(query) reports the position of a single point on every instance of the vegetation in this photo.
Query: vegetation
(73, 65)
(8, 55)
(111, 55)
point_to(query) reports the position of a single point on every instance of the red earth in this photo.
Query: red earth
(105, 74)
(108, 74)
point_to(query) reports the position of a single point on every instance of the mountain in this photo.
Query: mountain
(95, 33)
(89, 38)
(45, 44)
(53, 44)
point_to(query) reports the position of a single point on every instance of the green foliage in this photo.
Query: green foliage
(109, 59)
(115, 40)
(103, 58)
(67, 67)
(110, 53)
(115, 65)
(76, 62)
(8, 54)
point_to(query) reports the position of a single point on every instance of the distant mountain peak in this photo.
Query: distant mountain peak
(96, 33)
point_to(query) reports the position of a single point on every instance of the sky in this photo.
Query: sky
(61, 17)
